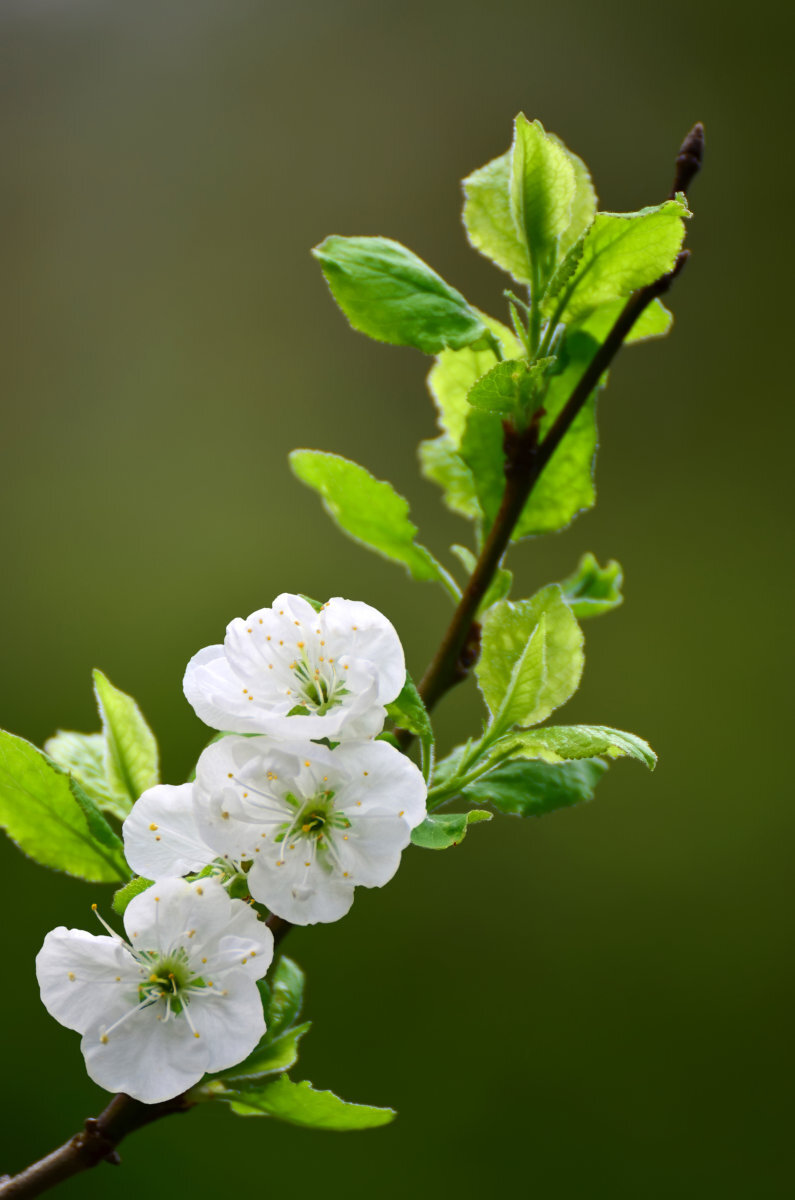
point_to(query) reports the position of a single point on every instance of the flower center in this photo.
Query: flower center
(318, 686)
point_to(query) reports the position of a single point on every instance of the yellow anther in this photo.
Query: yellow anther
(267, 637)
(296, 622)
(225, 816)
(305, 828)
(210, 983)
(118, 979)
(104, 1039)
(344, 874)
(197, 1035)
(292, 666)
(230, 775)
(157, 839)
(153, 827)
(252, 954)
(245, 690)
(300, 645)
(306, 864)
(204, 960)
(153, 979)
(244, 961)
(191, 933)
(157, 899)
(71, 975)
(248, 631)
(344, 837)
(307, 762)
(365, 772)
(400, 814)
(354, 627)
(199, 891)
(94, 907)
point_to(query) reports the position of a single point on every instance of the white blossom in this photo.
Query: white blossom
(160, 834)
(294, 673)
(311, 822)
(176, 1000)
(314, 823)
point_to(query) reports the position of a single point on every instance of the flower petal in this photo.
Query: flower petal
(379, 778)
(360, 631)
(229, 1020)
(302, 895)
(148, 1057)
(160, 834)
(85, 977)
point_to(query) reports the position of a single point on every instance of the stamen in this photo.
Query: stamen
(102, 921)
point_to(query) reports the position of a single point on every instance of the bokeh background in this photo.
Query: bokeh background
(594, 1005)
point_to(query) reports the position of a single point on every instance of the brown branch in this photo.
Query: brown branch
(95, 1143)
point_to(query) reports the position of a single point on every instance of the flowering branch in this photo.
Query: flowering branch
(343, 669)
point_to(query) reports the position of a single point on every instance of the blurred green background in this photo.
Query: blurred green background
(594, 1005)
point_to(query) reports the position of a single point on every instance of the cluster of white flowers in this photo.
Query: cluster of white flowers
(297, 795)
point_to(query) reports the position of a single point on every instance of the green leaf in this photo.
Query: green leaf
(483, 453)
(125, 894)
(286, 996)
(455, 373)
(83, 755)
(369, 510)
(583, 207)
(565, 487)
(489, 221)
(41, 813)
(543, 188)
(591, 589)
(300, 1104)
(531, 658)
(561, 743)
(391, 295)
(510, 387)
(443, 465)
(501, 580)
(98, 827)
(441, 830)
(533, 789)
(655, 321)
(409, 712)
(619, 253)
(131, 757)
(272, 1056)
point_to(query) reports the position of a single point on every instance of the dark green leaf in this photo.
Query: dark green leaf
(390, 294)
(286, 996)
(409, 712)
(272, 1056)
(532, 789)
(441, 830)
